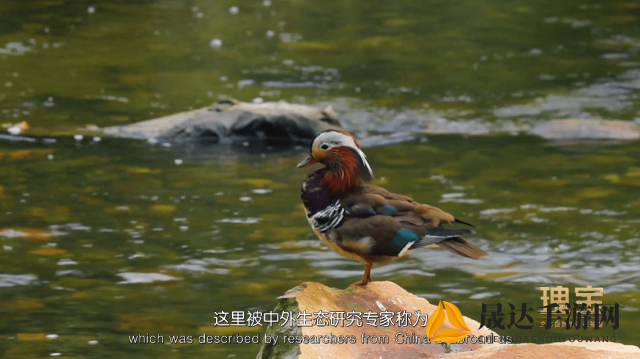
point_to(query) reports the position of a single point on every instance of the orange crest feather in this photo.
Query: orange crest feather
(344, 175)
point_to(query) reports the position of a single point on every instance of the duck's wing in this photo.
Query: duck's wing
(380, 223)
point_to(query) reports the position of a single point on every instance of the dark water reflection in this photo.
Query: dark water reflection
(102, 238)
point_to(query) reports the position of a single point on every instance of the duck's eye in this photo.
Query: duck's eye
(324, 147)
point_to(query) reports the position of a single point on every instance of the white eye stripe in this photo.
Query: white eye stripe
(333, 139)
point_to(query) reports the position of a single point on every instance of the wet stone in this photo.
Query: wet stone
(232, 120)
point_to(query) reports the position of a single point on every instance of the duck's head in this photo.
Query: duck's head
(341, 153)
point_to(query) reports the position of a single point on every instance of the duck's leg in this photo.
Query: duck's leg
(366, 278)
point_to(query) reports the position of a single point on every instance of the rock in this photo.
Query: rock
(570, 129)
(379, 297)
(236, 121)
(376, 297)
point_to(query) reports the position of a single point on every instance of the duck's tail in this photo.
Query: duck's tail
(463, 248)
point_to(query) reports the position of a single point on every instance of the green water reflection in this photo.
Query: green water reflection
(228, 233)
(65, 66)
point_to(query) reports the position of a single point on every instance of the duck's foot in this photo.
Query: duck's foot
(361, 283)
(366, 278)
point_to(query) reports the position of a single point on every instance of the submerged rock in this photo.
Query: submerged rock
(235, 121)
(574, 129)
(402, 341)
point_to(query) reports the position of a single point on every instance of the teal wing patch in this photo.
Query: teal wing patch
(404, 236)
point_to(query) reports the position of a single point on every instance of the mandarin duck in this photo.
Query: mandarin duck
(365, 222)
